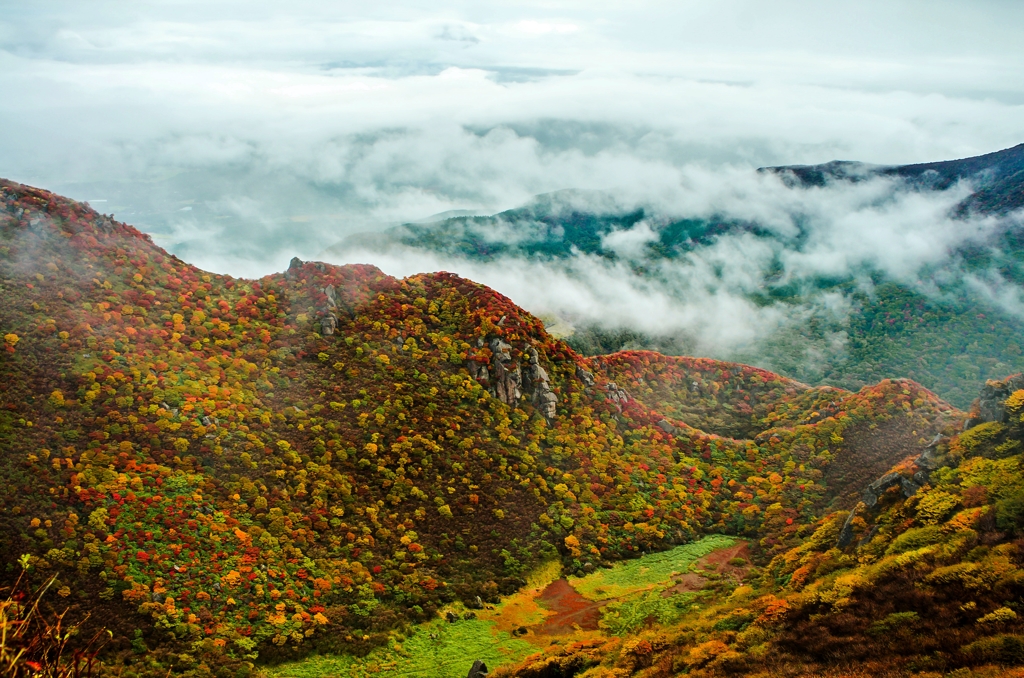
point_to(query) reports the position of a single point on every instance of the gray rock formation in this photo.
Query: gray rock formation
(538, 382)
(585, 376)
(872, 492)
(907, 486)
(332, 300)
(479, 670)
(328, 324)
(617, 395)
(667, 427)
(989, 406)
(928, 459)
(547, 403)
(478, 371)
(505, 376)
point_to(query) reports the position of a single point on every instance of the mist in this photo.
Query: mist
(714, 299)
(240, 134)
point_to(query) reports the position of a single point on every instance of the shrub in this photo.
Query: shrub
(915, 538)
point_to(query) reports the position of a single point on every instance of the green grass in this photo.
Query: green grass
(650, 570)
(455, 646)
(449, 655)
(621, 618)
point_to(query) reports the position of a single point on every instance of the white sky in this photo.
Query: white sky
(324, 118)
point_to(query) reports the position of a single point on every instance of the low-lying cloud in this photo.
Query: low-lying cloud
(333, 118)
(714, 299)
(242, 134)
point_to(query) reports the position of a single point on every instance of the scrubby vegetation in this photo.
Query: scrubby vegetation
(925, 584)
(948, 339)
(234, 473)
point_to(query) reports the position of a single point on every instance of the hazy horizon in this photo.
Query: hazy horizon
(241, 134)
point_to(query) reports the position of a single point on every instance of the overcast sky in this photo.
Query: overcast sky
(242, 133)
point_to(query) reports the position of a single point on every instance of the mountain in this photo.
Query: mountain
(998, 177)
(868, 320)
(909, 581)
(227, 474)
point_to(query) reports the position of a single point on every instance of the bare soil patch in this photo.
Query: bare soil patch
(721, 560)
(687, 583)
(571, 609)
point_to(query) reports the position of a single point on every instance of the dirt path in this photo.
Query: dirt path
(718, 561)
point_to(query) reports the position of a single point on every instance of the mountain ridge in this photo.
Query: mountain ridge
(239, 469)
(999, 177)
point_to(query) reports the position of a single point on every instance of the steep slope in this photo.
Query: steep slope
(223, 470)
(913, 580)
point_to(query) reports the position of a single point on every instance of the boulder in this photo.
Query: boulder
(548, 404)
(667, 427)
(328, 324)
(479, 670)
(586, 377)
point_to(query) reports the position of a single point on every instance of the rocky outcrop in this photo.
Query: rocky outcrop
(989, 405)
(507, 381)
(586, 377)
(666, 426)
(871, 493)
(329, 321)
(929, 459)
(908, 488)
(617, 395)
(479, 670)
(505, 376)
(328, 324)
(537, 379)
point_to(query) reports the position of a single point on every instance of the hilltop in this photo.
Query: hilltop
(230, 472)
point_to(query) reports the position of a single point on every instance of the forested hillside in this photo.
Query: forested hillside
(228, 472)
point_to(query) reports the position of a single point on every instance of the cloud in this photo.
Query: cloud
(716, 297)
(544, 27)
(286, 128)
(630, 244)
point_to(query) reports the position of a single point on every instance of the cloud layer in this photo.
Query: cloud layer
(294, 125)
(241, 134)
(715, 298)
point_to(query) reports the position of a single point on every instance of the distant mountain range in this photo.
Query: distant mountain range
(928, 329)
(998, 178)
